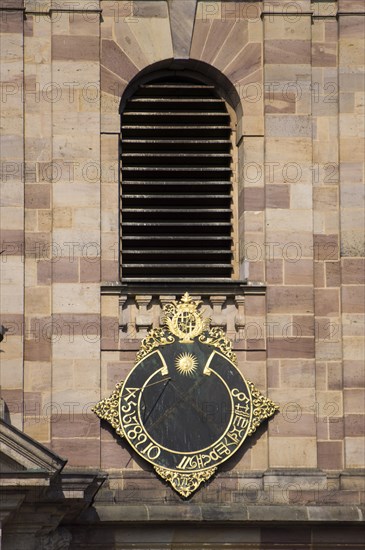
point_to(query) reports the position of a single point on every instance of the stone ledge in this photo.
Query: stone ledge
(335, 513)
(228, 289)
(295, 491)
(234, 513)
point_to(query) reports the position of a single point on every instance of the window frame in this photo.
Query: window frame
(221, 91)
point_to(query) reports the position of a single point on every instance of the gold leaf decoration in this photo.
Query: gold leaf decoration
(263, 408)
(108, 409)
(216, 337)
(184, 320)
(155, 338)
(185, 484)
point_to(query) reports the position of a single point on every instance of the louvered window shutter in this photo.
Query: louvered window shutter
(176, 207)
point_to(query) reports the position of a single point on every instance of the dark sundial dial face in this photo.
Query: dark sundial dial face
(185, 407)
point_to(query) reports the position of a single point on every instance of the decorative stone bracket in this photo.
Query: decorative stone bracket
(141, 306)
(139, 313)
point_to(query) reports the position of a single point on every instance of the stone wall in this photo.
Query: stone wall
(296, 81)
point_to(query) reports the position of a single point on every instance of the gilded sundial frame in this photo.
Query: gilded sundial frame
(184, 325)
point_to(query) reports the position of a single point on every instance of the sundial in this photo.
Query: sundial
(185, 407)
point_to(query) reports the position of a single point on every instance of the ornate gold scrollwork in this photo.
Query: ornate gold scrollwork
(183, 319)
(216, 338)
(185, 484)
(155, 338)
(108, 409)
(263, 408)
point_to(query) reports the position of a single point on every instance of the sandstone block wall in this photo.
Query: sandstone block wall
(296, 70)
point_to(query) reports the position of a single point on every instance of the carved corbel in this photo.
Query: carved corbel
(144, 317)
(123, 319)
(240, 317)
(218, 318)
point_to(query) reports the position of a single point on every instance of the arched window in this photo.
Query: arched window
(177, 221)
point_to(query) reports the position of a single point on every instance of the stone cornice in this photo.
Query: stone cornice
(229, 514)
(280, 496)
(27, 452)
(206, 289)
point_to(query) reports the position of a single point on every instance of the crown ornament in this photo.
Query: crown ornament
(184, 320)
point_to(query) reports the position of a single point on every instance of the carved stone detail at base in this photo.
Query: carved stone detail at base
(58, 540)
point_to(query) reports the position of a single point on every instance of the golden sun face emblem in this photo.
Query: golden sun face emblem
(186, 363)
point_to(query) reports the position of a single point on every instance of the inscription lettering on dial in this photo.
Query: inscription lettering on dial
(164, 418)
(133, 428)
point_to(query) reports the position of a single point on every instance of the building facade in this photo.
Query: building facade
(85, 185)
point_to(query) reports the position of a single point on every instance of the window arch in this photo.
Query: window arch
(177, 182)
